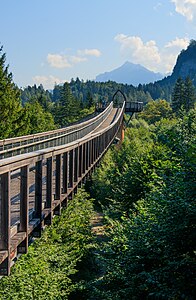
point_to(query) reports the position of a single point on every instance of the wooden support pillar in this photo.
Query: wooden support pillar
(97, 147)
(76, 165)
(38, 197)
(58, 178)
(94, 149)
(71, 168)
(24, 208)
(87, 155)
(120, 134)
(80, 160)
(91, 152)
(49, 190)
(84, 158)
(65, 173)
(65, 202)
(5, 222)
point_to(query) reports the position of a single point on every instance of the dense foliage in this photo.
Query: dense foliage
(184, 95)
(15, 119)
(147, 191)
(11, 113)
(47, 270)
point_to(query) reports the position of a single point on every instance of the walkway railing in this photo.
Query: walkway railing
(34, 186)
(30, 143)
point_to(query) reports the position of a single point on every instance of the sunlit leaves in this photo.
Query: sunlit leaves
(46, 271)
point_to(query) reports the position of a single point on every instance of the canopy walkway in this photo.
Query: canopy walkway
(40, 173)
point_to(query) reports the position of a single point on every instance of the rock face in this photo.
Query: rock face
(130, 73)
(185, 64)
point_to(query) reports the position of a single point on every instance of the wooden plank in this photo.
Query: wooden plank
(3, 255)
(71, 168)
(65, 173)
(80, 160)
(38, 190)
(49, 185)
(17, 239)
(24, 199)
(32, 224)
(84, 158)
(76, 164)
(58, 178)
(5, 221)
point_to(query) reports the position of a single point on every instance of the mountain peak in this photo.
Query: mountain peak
(130, 73)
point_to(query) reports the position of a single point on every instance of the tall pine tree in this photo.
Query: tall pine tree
(190, 94)
(178, 95)
(11, 112)
(184, 95)
(67, 109)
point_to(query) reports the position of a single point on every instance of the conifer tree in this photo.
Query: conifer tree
(184, 96)
(67, 108)
(89, 100)
(178, 95)
(190, 94)
(11, 112)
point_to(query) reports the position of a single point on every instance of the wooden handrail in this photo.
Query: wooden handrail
(60, 170)
(4, 142)
(56, 134)
(11, 163)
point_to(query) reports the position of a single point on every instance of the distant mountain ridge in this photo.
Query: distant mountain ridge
(130, 73)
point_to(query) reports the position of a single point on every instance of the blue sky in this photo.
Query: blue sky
(48, 41)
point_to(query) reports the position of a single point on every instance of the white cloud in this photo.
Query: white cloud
(90, 52)
(148, 54)
(137, 51)
(77, 59)
(58, 61)
(178, 44)
(47, 81)
(187, 8)
(62, 61)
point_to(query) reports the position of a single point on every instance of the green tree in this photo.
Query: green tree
(156, 110)
(190, 94)
(11, 112)
(178, 96)
(150, 251)
(67, 107)
(46, 272)
(89, 100)
(37, 119)
(184, 95)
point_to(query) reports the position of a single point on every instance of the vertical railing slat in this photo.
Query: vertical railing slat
(5, 222)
